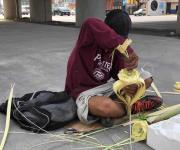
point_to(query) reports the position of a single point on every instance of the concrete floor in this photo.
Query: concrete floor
(34, 57)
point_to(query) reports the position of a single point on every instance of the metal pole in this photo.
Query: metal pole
(123, 5)
(178, 20)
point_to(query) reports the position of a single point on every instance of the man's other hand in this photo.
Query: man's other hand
(148, 82)
(130, 90)
(131, 62)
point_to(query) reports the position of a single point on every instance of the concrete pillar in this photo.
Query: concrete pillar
(11, 9)
(178, 20)
(89, 8)
(40, 10)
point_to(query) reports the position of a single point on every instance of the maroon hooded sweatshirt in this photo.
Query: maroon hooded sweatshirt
(90, 63)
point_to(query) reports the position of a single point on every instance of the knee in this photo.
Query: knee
(106, 107)
(109, 109)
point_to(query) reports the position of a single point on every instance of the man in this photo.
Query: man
(93, 62)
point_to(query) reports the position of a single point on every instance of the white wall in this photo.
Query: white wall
(160, 10)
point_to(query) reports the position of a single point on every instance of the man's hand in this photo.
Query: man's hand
(131, 62)
(132, 89)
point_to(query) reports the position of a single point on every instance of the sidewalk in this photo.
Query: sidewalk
(164, 25)
(155, 25)
(34, 57)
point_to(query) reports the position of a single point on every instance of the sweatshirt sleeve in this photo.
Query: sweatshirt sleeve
(95, 30)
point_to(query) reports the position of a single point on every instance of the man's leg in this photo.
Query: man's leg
(103, 106)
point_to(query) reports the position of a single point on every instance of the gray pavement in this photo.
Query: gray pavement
(155, 25)
(160, 28)
(34, 57)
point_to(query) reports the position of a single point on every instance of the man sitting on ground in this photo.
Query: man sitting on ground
(90, 67)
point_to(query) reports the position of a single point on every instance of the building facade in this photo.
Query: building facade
(113, 4)
(171, 6)
(153, 7)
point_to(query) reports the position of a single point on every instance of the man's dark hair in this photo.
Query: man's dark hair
(119, 21)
